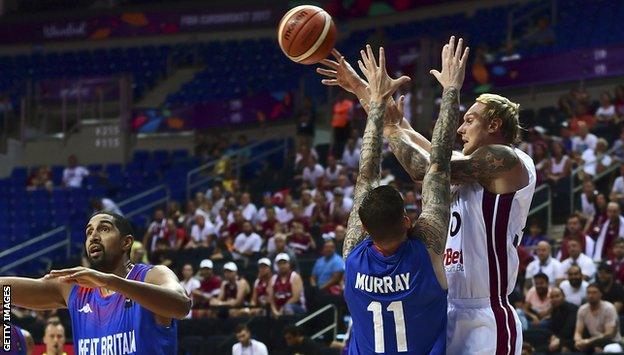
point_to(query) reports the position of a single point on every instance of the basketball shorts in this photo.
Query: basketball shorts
(482, 327)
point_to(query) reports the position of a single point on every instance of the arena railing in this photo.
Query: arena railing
(575, 172)
(318, 313)
(201, 176)
(547, 205)
(39, 244)
(159, 201)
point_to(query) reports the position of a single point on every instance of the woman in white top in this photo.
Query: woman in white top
(606, 118)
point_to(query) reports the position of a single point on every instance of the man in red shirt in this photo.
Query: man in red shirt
(210, 288)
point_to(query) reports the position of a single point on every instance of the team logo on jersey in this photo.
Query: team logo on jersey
(85, 309)
(128, 303)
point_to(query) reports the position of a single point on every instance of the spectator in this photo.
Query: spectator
(248, 209)
(328, 270)
(106, 205)
(596, 160)
(611, 291)
(582, 117)
(583, 140)
(588, 199)
(320, 212)
(269, 227)
(531, 240)
(41, 178)
(209, 289)
(246, 345)
(339, 236)
(617, 191)
(340, 207)
(299, 217)
(578, 258)
(619, 101)
(617, 262)
(563, 321)
(333, 170)
(618, 146)
(351, 155)
(73, 174)
(217, 198)
(267, 204)
(558, 176)
(542, 161)
(156, 230)
(138, 254)
(234, 290)
(278, 245)
(296, 343)
(202, 233)
(286, 289)
(537, 301)
(342, 115)
(54, 338)
(163, 253)
(189, 282)
(594, 224)
(575, 288)
(259, 297)
(599, 320)
(605, 116)
(247, 243)
(545, 264)
(299, 240)
(312, 171)
(236, 226)
(345, 184)
(574, 232)
(611, 229)
(307, 204)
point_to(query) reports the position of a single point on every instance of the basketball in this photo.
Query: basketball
(306, 34)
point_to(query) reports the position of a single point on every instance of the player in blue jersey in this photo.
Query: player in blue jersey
(116, 307)
(395, 284)
(20, 342)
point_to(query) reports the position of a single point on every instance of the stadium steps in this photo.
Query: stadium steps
(157, 96)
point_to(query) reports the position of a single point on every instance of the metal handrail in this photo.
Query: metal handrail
(36, 254)
(333, 326)
(547, 204)
(235, 161)
(142, 194)
(20, 246)
(575, 189)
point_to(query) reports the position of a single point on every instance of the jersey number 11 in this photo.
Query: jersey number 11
(399, 322)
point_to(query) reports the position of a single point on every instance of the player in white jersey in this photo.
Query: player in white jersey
(495, 185)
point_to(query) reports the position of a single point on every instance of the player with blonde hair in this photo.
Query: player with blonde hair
(495, 182)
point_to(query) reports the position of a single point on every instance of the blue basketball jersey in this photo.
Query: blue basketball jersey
(17, 345)
(116, 325)
(396, 302)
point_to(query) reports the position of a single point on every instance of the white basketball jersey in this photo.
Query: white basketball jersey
(480, 259)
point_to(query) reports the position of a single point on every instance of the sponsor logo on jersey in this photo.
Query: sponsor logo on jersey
(85, 309)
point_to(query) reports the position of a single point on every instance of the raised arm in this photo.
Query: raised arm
(432, 225)
(381, 88)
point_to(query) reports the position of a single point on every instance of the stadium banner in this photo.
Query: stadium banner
(260, 108)
(86, 89)
(135, 24)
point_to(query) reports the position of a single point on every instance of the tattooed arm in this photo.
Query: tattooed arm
(381, 88)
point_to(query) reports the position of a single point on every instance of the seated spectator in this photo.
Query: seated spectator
(267, 205)
(320, 212)
(588, 199)
(611, 290)
(605, 116)
(534, 237)
(203, 233)
(299, 240)
(542, 161)
(278, 245)
(612, 229)
(73, 174)
(189, 282)
(345, 184)
(296, 343)
(162, 254)
(236, 226)
(574, 287)
(559, 171)
(617, 191)
(218, 199)
(333, 170)
(307, 204)
(248, 209)
(209, 289)
(155, 230)
(563, 321)
(618, 146)
(223, 248)
(267, 229)
(234, 290)
(583, 140)
(596, 160)
(53, 338)
(286, 289)
(351, 155)
(597, 323)
(247, 243)
(285, 215)
(588, 268)
(617, 262)
(595, 222)
(575, 232)
(299, 217)
(259, 297)
(328, 270)
(40, 178)
(340, 206)
(537, 302)
(581, 118)
(246, 345)
(312, 171)
(545, 264)
(138, 254)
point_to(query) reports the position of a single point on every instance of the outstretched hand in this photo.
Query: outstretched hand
(341, 73)
(81, 276)
(380, 85)
(453, 65)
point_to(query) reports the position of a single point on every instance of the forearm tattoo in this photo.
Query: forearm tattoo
(413, 158)
(368, 175)
(432, 225)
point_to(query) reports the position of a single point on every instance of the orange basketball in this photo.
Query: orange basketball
(306, 34)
